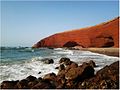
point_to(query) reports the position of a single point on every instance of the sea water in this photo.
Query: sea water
(17, 63)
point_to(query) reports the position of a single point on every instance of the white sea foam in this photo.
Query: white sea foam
(20, 71)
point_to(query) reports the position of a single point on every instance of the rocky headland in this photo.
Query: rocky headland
(71, 76)
(99, 36)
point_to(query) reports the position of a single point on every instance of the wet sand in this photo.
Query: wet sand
(106, 51)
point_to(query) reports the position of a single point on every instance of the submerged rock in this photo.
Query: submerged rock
(64, 60)
(48, 61)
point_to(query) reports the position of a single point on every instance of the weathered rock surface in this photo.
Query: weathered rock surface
(101, 35)
(106, 78)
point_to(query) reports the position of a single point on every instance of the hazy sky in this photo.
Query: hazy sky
(26, 22)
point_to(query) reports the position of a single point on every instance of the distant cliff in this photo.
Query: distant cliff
(102, 35)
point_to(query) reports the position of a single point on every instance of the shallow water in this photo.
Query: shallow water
(18, 63)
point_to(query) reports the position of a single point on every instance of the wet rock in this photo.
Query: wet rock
(39, 79)
(48, 61)
(61, 67)
(109, 72)
(44, 84)
(73, 64)
(64, 60)
(106, 78)
(61, 73)
(92, 63)
(71, 74)
(23, 84)
(32, 83)
(50, 76)
(8, 84)
(31, 78)
(60, 82)
(39, 72)
(56, 67)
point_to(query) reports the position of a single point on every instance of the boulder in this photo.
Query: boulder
(105, 78)
(84, 71)
(71, 74)
(101, 35)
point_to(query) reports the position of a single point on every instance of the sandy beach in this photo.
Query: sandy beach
(106, 51)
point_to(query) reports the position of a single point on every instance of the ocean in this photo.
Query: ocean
(19, 62)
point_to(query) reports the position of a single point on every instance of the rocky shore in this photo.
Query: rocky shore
(71, 76)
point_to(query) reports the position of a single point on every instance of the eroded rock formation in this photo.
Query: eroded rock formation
(101, 35)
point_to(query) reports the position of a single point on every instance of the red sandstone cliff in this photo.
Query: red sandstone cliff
(103, 35)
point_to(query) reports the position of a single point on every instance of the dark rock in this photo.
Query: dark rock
(39, 72)
(23, 84)
(73, 64)
(32, 83)
(31, 78)
(61, 73)
(106, 78)
(92, 63)
(60, 82)
(8, 84)
(39, 79)
(56, 67)
(71, 74)
(84, 71)
(64, 60)
(48, 61)
(44, 84)
(61, 67)
(50, 76)
(109, 72)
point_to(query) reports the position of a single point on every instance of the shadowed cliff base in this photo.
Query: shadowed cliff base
(99, 36)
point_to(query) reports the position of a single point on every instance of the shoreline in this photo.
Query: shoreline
(71, 76)
(105, 51)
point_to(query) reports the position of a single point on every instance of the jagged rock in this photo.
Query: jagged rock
(102, 35)
(23, 84)
(32, 83)
(64, 60)
(50, 76)
(44, 84)
(92, 63)
(61, 67)
(8, 84)
(31, 78)
(106, 78)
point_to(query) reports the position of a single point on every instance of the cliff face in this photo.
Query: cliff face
(103, 35)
